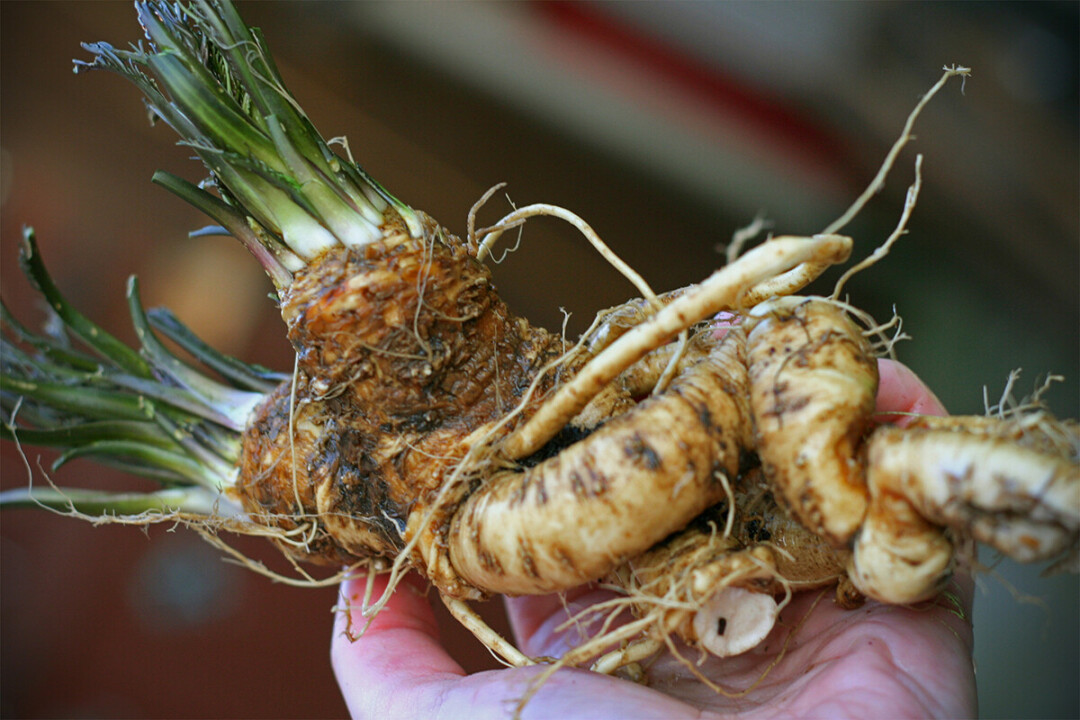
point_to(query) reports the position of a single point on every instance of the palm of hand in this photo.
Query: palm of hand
(875, 661)
(820, 661)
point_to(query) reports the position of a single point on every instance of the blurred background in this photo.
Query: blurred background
(667, 127)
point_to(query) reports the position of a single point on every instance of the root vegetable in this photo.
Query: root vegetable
(813, 383)
(425, 427)
(899, 557)
(577, 515)
(1024, 502)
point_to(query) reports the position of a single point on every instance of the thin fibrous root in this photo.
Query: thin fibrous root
(743, 235)
(517, 217)
(485, 633)
(723, 290)
(910, 200)
(797, 278)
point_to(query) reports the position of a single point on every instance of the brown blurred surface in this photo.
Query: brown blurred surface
(104, 622)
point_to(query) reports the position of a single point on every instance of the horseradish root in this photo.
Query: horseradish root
(706, 470)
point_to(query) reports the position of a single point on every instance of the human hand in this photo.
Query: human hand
(820, 660)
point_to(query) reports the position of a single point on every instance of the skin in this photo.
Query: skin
(877, 661)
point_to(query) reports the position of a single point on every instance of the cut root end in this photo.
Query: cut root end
(735, 620)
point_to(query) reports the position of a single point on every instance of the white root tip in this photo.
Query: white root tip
(735, 620)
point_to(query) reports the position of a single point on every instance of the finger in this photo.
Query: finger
(901, 391)
(394, 667)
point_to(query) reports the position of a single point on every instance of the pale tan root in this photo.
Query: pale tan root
(485, 633)
(1006, 483)
(899, 557)
(579, 514)
(209, 528)
(788, 282)
(720, 291)
(633, 652)
(813, 383)
(731, 693)
(471, 240)
(1023, 502)
(656, 332)
(641, 378)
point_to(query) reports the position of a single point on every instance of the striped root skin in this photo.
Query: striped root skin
(813, 384)
(577, 515)
(1019, 496)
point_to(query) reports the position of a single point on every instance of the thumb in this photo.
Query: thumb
(902, 394)
(394, 666)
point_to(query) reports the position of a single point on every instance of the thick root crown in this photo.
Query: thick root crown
(403, 350)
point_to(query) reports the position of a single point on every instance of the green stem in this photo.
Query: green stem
(283, 191)
(193, 500)
(108, 346)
